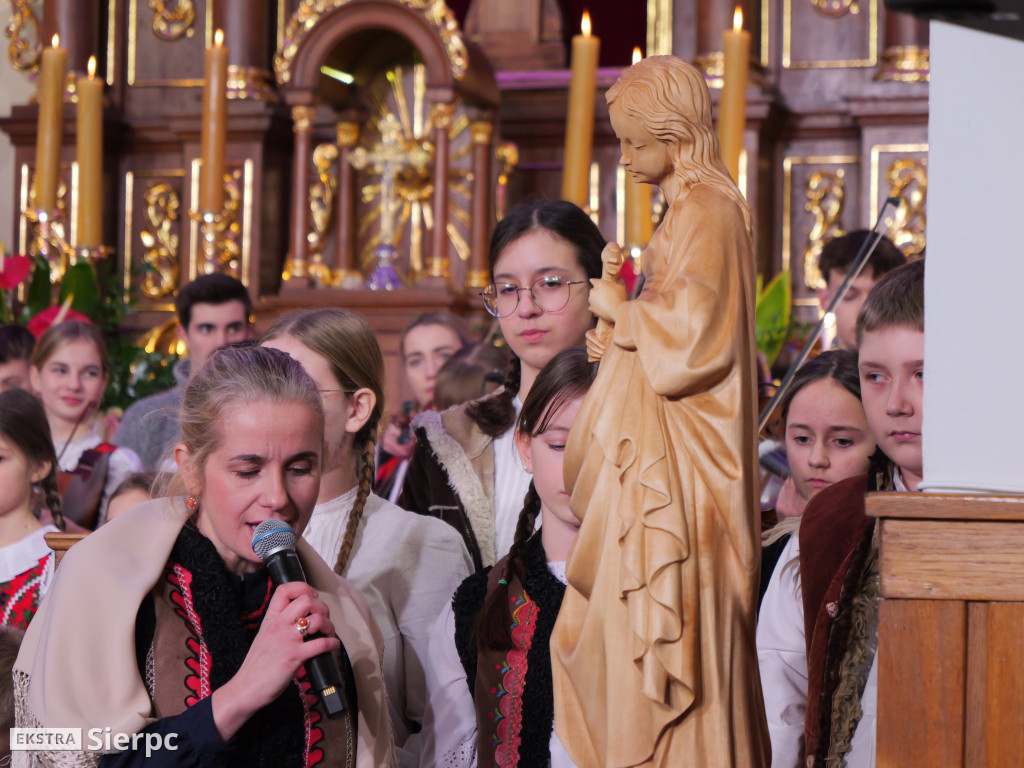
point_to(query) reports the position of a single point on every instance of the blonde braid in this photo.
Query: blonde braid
(366, 465)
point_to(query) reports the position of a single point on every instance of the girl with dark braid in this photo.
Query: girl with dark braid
(489, 678)
(465, 469)
(406, 565)
(27, 464)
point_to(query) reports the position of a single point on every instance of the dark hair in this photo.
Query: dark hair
(567, 376)
(445, 319)
(10, 644)
(16, 343)
(216, 288)
(470, 373)
(141, 481)
(23, 423)
(839, 253)
(897, 300)
(566, 221)
(837, 364)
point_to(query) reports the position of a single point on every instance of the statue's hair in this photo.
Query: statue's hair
(238, 374)
(350, 347)
(671, 100)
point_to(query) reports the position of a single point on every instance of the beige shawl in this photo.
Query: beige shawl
(77, 666)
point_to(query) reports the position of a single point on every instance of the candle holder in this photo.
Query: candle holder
(215, 252)
(49, 240)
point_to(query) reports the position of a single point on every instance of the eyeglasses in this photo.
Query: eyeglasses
(549, 294)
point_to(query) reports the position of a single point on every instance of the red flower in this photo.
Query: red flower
(39, 324)
(16, 269)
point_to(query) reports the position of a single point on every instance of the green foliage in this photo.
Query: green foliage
(773, 315)
(39, 295)
(81, 285)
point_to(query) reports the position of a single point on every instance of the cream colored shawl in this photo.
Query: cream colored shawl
(77, 666)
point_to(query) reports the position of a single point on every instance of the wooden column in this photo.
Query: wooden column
(246, 31)
(713, 18)
(950, 671)
(296, 274)
(438, 268)
(478, 276)
(905, 56)
(346, 270)
(77, 23)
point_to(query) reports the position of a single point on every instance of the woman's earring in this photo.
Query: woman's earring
(192, 503)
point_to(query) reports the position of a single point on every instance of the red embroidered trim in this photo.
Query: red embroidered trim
(314, 735)
(508, 716)
(200, 662)
(19, 597)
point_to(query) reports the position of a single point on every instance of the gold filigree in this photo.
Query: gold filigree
(441, 114)
(309, 13)
(250, 83)
(826, 192)
(905, 64)
(302, 119)
(507, 153)
(712, 66)
(347, 134)
(173, 19)
(481, 132)
(908, 180)
(52, 239)
(23, 53)
(321, 204)
(835, 9)
(160, 240)
(220, 248)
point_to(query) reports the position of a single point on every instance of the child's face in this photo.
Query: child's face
(891, 364)
(542, 456)
(534, 335)
(71, 381)
(827, 437)
(847, 310)
(16, 478)
(14, 375)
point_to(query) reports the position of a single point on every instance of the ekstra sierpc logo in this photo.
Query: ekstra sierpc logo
(97, 740)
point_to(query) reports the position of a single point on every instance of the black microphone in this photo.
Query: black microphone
(274, 542)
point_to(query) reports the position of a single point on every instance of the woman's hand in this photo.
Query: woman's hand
(391, 445)
(605, 298)
(274, 657)
(789, 503)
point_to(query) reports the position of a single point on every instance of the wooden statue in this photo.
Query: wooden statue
(653, 652)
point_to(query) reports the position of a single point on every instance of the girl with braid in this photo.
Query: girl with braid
(27, 464)
(406, 565)
(489, 649)
(465, 469)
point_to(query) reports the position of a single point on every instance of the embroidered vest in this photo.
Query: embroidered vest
(182, 668)
(20, 596)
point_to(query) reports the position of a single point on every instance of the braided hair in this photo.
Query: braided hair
(564, 221)
(24, 425)
(565, 378)
(349, 345)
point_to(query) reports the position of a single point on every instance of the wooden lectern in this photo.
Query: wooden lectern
(951, 626)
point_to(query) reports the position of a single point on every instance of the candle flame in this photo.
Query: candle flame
(637, 56)
(737, 20)
(92, 67)
(218, 38)
(55, 42)
(585, 24)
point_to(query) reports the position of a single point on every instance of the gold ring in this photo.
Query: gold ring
(302, 625)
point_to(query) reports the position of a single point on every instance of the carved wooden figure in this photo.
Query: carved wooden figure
(653, 653)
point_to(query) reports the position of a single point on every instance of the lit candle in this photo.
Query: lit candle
(50, 130)
(579, 129)
(732, 107)
(214, 130)
(638, 203)
(90, 159)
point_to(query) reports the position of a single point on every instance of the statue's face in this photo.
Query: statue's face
(646, 158)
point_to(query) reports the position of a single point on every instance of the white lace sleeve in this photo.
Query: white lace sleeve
(449, 719)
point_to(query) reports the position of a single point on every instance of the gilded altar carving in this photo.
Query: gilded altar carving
(250, 83)
(309, 13)
(173, 19)
(23, 52)
(826, 193)
(905, 64)
(908, 180)
(322, 210)
(160, 240)
(835, 8)
(302, 119)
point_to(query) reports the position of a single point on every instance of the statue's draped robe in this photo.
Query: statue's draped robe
(653, 652)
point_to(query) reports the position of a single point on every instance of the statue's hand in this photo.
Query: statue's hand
(605, 298)
(611, 258)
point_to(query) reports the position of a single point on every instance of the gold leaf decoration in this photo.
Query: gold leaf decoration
(23, 51)
(826, 193)
(908, 180)
(160, 241)
(173, 19)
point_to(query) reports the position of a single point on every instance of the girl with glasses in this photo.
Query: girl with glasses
(465, 469)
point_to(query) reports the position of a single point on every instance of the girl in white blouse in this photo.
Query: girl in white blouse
(406, 565)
